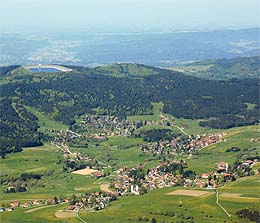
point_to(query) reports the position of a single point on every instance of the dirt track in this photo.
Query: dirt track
(38, 208)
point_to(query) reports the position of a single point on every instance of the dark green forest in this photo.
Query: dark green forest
(120, 90)
(7, 69)
(18, 128)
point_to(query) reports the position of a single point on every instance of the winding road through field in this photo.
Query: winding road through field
(79, 216)
(229, 215)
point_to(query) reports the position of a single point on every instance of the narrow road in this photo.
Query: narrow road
(38, 208)
(79, 216)
(27, 199)
(185, 133)
(229, 215)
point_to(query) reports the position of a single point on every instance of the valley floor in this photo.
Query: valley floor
(172, 204)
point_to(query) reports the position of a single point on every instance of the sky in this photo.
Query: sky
(126, 15)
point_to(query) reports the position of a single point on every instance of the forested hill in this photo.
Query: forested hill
(117, 70)
(130, 91)
(222, 69)
(18, 128)
(7, 70)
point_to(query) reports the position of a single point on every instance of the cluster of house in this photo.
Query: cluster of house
(35, 203)
(210, 180)
(94, 201)
(60, 141)
(76, 156)
(248, 164)
(183, 144)
(62, 138)
(107, 126)
(157, 179)
(124, 182)
(154, 178)
(65, 136)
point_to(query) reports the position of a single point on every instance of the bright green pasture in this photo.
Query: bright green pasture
(34, 159)
(45, 122)
(119, 152)
(43, 160)
(206, 160)
(39, 216)
(191, 68)
(246, 186)
(202, 209)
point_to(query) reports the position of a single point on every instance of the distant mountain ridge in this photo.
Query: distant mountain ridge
(164, 50)
(222, 69)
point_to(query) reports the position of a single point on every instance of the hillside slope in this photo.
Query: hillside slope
(128, 89)
(222, 69)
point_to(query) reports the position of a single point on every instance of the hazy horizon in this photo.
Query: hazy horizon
(126, 16)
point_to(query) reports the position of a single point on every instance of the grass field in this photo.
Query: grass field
(43, 160)
(201, 71)
(45, 122)
(191, 127)
(191, 68)
(246, 187)
(207, 159)
(119, 151)
(151, 205)
(40, 216)
(202, 209)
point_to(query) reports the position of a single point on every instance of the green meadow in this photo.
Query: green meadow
(191, 68)
(157, 108)
(245, 186)
(154, 204)
(43, 160)
(207, 159)
(202, 208)
(118, 151)
(45, 122)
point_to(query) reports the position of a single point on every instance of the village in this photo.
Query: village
(135, 181)
(106, 126)
(88, 201)
(172, 174)
(183, 144)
